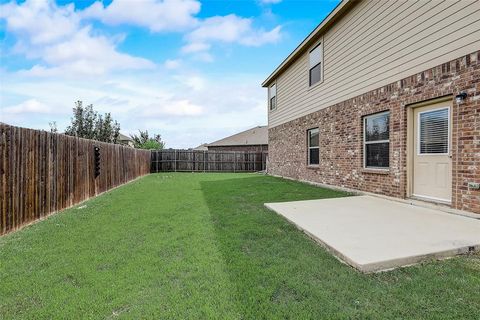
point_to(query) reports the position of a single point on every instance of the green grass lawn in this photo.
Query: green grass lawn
(202, 246)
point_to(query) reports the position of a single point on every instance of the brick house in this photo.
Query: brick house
(383, 97)
(254, 140)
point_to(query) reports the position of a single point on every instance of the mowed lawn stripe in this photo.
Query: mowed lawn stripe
(280, 273)
(145, 250)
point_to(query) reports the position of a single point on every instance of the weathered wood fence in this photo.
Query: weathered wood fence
(41, 172)
(207, 161)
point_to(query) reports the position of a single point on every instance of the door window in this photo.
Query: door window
(433, 132)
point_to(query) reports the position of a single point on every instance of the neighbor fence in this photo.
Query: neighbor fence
(42, 172)
(208, 161)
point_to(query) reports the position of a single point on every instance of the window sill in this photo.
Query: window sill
(313, 166)
(311, 87)
(376, 171)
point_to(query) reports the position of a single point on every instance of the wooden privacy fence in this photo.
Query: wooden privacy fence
(207, 161)
(42, 172)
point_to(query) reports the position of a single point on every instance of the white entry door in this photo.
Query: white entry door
(432, 163)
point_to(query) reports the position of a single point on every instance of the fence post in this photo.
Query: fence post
(264, 166)
(261, 160)
(234, 161)
(204, 161)
(175, 160)
(266, 162)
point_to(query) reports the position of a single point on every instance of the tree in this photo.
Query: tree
(144, 141)
(53, 127)
(87, 123)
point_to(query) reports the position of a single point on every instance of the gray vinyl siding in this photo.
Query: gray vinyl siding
(378, 42)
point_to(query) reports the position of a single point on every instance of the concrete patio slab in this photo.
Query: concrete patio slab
(374, 234)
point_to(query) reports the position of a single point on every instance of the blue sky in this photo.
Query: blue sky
(187, 69)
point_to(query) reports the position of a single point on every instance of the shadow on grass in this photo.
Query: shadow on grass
(280, 273)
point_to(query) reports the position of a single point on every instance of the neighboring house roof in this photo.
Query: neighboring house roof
(122, 137)
(254, 136)
(202, 147)
(339, 10)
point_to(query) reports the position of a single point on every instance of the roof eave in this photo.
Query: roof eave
(340, 9)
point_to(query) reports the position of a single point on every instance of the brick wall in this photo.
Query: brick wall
(341, 150)
(249, 148)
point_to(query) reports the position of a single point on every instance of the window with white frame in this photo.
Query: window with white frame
(316, 64)
(313, 147)
(376, 141)
(272, 97)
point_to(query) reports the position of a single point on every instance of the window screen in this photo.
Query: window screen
(315, 74)
(433, 133)
(313, 146)
(377, 140)
(315, 71)
(273, 96)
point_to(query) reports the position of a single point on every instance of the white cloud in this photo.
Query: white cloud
(194, 82)
(270, 1)
(54, 35)
(86, 54)
(41, 21)
(59, 39)
(172, 108)
(156, 15)
(228, 29)
(258, 38)
(203, 57)
(195, 47)
(28, 106)
(172, 64)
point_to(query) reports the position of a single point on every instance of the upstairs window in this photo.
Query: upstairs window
(313, 147)
(316, 59)
(272, 94)
(376, 139)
